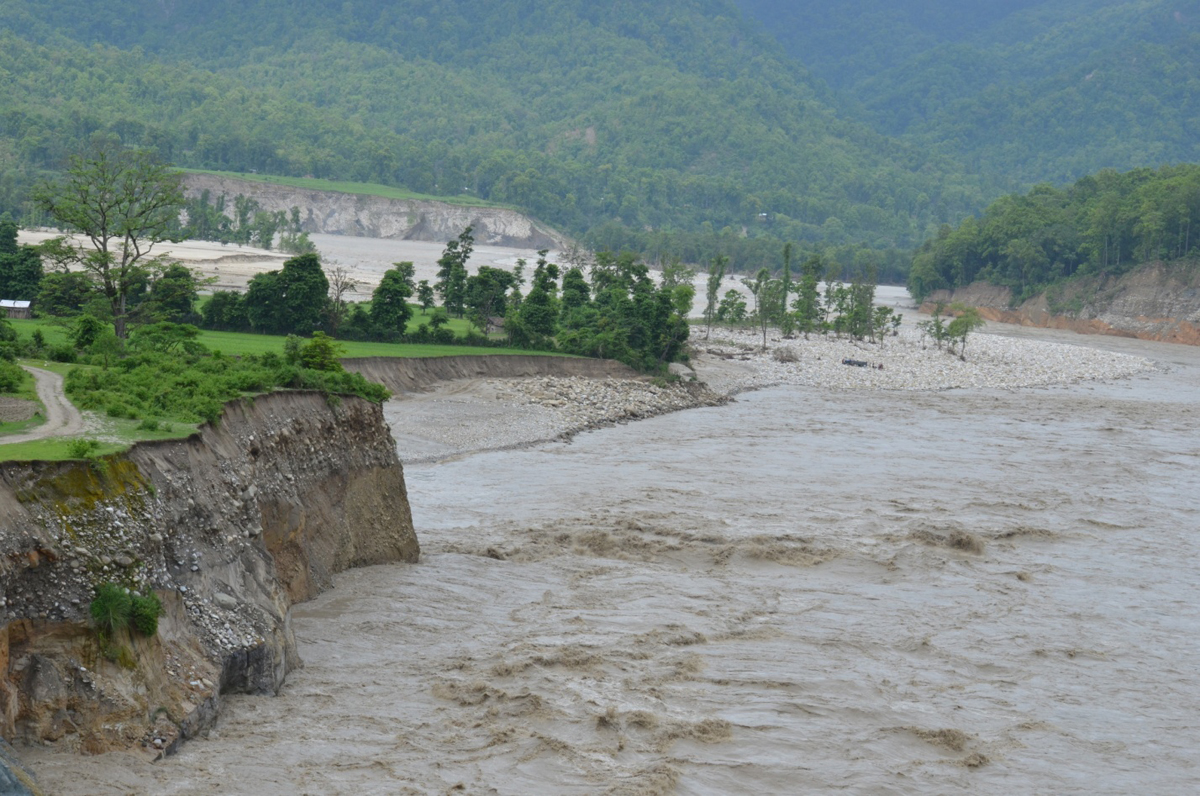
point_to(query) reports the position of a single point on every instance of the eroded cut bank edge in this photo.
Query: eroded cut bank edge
(230, 527)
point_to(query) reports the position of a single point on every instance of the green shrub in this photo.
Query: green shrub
(62, 353)
(149, 424)
(11, 377)
(145, 613)
(111, 608)
(321, 353)
(82, 448)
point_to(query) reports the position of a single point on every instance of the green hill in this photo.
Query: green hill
(676, 116)
(684, 127)
(1019, 91)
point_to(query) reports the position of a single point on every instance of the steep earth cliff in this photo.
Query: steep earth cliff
(376, 217)
(229, 527)
(1154, 302)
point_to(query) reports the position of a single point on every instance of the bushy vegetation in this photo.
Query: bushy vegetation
(144, 611)
(619, 314)
(192, 386)
(1103, 224)
(111, 609)
(674, 129)
(245, 223)
(667, 117)
(793, 302)
(114, 609)
(20, 266)
(1022, 91)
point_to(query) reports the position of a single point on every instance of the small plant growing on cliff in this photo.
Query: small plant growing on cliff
(144, 614)
(111, 609)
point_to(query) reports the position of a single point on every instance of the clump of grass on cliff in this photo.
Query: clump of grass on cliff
(144, 613)
(115, 609)
(111, 609)
(173, 379)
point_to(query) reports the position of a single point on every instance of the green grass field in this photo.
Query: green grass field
(238, 343)
(53, 449)
(229, 343)
(362, 188)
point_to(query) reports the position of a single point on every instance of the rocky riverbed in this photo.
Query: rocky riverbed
(908, 361)
(468, 415)
(496, 414)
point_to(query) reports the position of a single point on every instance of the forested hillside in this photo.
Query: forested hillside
(681, 128)
(1103, 224)
(616, 119)
(1019, 91)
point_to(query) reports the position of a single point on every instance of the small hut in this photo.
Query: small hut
(16, 309)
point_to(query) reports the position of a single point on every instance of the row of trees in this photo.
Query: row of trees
(1103, 224)
(843, 309)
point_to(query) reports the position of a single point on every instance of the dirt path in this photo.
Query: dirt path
(62, 418)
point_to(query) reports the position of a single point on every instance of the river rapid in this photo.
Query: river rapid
(985, 592)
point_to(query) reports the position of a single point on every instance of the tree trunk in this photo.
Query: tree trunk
(119, 317)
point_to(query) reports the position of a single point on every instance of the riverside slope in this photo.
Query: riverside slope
(1158, 301)
(361, 215)
(229, 527)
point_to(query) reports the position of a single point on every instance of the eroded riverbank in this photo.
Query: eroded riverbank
(767, 596)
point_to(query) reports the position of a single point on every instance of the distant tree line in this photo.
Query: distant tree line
(794, 302)
(1103, 224)
(602, 306)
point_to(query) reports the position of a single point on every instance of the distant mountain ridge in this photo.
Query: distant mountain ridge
(685, 127)
(1020, 91)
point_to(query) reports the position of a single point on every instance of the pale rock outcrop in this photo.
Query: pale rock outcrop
(360, 215)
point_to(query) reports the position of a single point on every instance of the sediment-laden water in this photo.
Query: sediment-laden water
(883, 593)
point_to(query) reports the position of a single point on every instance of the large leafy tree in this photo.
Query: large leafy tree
(173, 294)
(20, 266)
(123, 202)
(389, 302)
(486, 295)
(291, 301)
(452, 272)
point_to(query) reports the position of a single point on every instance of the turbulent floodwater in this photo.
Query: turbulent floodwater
(799, 592)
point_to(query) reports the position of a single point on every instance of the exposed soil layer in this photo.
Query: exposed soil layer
(1157, 302)
(420, 373)
(229, 527)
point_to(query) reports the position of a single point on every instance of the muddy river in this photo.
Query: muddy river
(801, 592)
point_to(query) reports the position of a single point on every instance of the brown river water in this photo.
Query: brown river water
(800, 592)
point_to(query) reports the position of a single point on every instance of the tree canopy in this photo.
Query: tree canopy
(123, 203)
(1106, 224)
